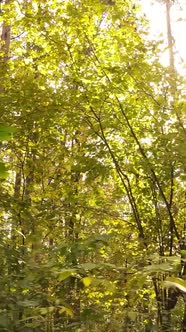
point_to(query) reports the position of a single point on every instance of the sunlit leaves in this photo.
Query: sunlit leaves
(97, 143)
(5, 135)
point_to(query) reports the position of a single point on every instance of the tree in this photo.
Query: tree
(92, 210)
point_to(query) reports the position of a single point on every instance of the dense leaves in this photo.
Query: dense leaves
(92, 212)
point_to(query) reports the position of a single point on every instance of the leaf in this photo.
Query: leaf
(28, 303)
(3, 171)
(6, 133)
(46, 310)
(175, 282)
(183, 253)
(66, 273)
(32, 317)
(88, 266)
(98, 282)
(132, 315)
(88, 281)
(67, 311)
(159, 268)
(137, 281)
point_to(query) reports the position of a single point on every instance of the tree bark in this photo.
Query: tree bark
(5, 37)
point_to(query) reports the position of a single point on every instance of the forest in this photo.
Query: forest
(92, 170)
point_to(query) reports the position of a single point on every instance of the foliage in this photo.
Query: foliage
(92, 210)
(5, 134)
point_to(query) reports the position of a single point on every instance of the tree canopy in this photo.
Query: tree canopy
(92, 171)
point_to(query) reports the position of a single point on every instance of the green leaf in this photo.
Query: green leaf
(46, 310)
(3, 171)
(183, 253)
(28, 303)
(88, 266)
(159, 268)
(66, 273)
(132, 315)
(6, 133)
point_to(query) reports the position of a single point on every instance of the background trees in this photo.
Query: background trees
(92, 211)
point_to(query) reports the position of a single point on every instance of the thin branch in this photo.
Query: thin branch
(142, 151)
(122, 176)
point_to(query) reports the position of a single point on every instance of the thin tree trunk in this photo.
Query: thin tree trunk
(4, 47)
(5, 37)
(170, 38)
(184, 320)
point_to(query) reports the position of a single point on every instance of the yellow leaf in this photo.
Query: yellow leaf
(67, 311)
(87, 281)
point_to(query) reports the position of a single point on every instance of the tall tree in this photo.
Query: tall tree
(92, 210)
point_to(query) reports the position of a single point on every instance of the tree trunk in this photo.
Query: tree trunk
(170, 38)
(5, 37)
(184, 319)
(4, 47)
